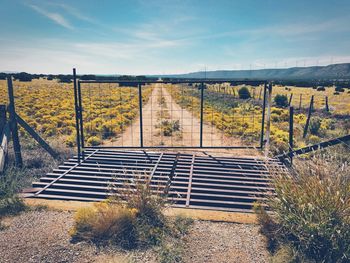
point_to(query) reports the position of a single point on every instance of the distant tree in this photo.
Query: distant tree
(244, 93)
(3, 75)
(23, 76)
(65, 78)
(88, 77)
(281, 101)
(339, 89)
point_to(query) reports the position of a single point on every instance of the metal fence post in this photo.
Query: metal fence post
(263, 118)
(327, 105)
(268, 119)
(141, 119)
(201, 116)
(308, 116)
(290, 99)
(291, 128)
(82, 140)
(76, 112)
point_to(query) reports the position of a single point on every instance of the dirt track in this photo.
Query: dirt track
(189, 128)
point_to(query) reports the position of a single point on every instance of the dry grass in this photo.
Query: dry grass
(311, 210)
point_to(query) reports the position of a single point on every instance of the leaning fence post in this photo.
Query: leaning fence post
(291, 128)
(268, 120)
(290, 99)
(308, 116)
(13, 124)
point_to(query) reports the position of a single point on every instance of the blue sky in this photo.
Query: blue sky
(163, 36)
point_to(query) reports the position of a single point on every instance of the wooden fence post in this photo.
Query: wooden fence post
(2, 117)
(260, 93)
(290, 99)
(327, 106)
(268, 120)
(4, 137)
(301, 98)
(291, 128)
(308, 116)
(13, 124)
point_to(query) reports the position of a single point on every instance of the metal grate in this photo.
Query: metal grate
(190, 180)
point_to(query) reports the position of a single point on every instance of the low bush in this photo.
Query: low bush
(94, 141)
(315, 125)
(339, 89)
(281, 101)
(133, 217)
(10, 203)
(311, 210)
(167, 127)
(244, 93)
(106, 222)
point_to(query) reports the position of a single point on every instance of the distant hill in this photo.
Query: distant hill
(334, 71)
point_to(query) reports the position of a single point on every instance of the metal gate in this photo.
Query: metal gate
(169, 114)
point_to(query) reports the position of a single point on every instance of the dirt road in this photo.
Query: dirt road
(189, 134)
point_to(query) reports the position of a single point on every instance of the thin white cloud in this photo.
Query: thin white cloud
(55, 17)
(74, 12)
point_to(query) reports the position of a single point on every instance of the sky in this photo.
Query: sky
(171, 36)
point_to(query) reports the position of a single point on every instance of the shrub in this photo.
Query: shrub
(315, 125)
(167, 128)
(281, 100)
(139, 195)
(339, 89)
(244, 93)
(104, 222)
(321, 88)
(94, 141)
(10, 203)
(311, 208)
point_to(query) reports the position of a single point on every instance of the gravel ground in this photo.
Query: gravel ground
(42, 236)
(224, 242)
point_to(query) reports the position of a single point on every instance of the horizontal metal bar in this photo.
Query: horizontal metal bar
(178, 81)
(174, 147)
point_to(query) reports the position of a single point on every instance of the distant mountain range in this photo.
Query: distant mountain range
(334, 71)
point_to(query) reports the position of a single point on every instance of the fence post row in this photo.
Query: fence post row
(13, 124)
(308, 116)
(141, 121)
